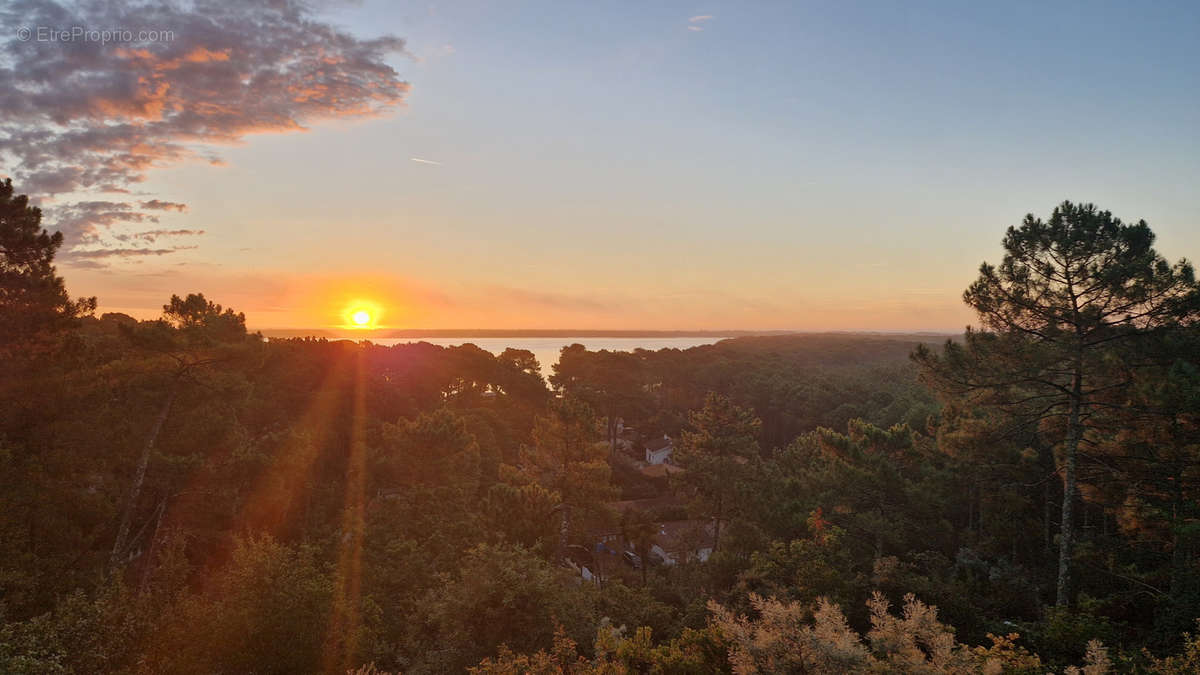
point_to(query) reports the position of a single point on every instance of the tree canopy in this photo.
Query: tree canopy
(180, 495)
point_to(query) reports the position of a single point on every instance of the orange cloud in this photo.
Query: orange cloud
(197, 55)
(116, 111)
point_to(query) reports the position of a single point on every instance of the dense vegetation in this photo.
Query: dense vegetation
(179, 495)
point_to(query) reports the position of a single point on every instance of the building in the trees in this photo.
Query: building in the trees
(658, 450)
(675, 542)
(680, 541)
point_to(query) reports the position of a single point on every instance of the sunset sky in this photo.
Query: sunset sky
(664, 165)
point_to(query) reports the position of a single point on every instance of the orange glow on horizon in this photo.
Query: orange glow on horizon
(362, 315)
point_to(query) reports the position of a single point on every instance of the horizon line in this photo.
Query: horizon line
(386, 333)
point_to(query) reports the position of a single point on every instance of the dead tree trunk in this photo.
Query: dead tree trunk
(148, 564)
(139, 477)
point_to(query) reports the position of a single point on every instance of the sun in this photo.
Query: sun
(362, 315)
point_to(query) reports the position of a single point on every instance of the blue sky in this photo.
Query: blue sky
(633, 165)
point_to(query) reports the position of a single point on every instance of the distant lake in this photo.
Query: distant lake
(546, 349)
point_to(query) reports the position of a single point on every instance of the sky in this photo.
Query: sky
(592, 165)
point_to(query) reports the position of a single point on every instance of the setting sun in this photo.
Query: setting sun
(361, 314)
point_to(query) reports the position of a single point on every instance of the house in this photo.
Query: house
(581, 561)
(676, 542)
(605, 557)
(658, 450)
(680, 541)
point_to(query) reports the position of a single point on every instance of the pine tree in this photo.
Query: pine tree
(717, 454)
(565, 458)
(33, 298)
(1069, 291)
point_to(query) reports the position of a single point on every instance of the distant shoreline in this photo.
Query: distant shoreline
(386, 333)
(501, 333)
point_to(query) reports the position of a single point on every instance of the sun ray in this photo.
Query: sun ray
(282, 488)
(341, 641)
(278, 498)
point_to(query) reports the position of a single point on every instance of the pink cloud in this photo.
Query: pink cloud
(89, 116)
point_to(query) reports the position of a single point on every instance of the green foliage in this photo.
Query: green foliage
(805, 569)
(201, 321)
(34, 304)
(719, 451)
(1188, 661)
(433, 451)
(1062, 636)
(1071, 293)
(502, 595)
(266, 611)
(179, 496)
(616, 654)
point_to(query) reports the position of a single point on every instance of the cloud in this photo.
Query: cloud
(695, 29)
(159, 205)
(170, 233)
(154, 235)
(101, 229)
(700, 17)
(87, 221)
(87, 115)
(425, 161)
(548, 299)
(128, 252)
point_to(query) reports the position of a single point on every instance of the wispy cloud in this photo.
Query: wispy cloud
(82, 221)
(159, 205)
(90, 116)
(154, 235)
(425, 161)
(549, 299)
(129, 252)
(94, 227)
(700, 17)
(695, 29)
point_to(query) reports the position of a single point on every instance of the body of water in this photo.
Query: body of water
(546, 349)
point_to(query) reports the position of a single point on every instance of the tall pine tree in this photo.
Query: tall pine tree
(33, 299)
(1069, 291)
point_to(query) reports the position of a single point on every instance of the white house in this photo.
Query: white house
(658, 450)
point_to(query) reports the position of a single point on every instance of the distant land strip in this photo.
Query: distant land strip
(388, 333)
(367, 334)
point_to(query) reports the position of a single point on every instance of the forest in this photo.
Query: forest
(182, 495)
